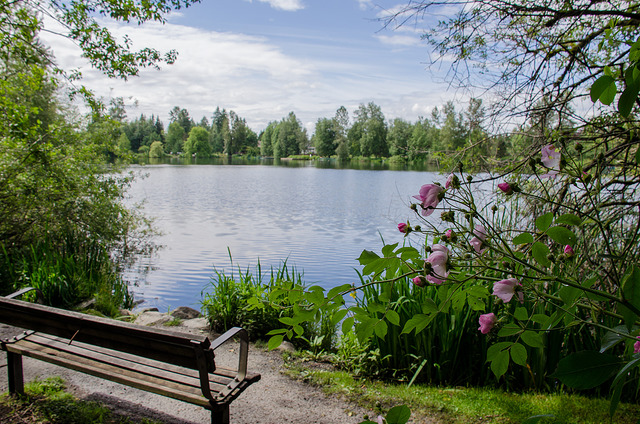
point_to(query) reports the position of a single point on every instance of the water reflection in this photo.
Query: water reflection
(318, 218)
(323, 163)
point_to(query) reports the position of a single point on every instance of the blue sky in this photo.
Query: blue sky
(265, 58)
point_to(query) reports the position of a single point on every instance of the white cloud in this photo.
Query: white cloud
(288, 5)
(399, 40)
(251, 75)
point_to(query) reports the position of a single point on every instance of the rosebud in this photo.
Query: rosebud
(404, 228)
(506, 188)
(568, 251)
(417, 228)
(419, 280)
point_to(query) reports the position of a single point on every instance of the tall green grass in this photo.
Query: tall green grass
(66, 275)
(245, 299)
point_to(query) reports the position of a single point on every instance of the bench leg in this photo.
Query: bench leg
(16, 381)
(220, 416)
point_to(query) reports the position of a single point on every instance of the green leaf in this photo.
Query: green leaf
(569, 219)
(495, 349)
(602, 90)
(518, 354)
(288, 320)
(541, 319)
(521, 314)
(277, 331)
(532, 338)
(500, 363)
(381, 329)
(540, 253)
(631, 287)
(338, 316)
(543, 222)
(586, 370)
(509, 330)
(562, 235)
(523, 238)
(367, 256)
(418, 323)
(569, 294)
(275, 341)
(347, 324)
(628, 99)
(638, 156)
(429, 306)
(611, 339)
(388, 250)
(393, 317)
(339, 289)
(398, 415)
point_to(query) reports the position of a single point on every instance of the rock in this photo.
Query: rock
(184, 312)
(152, 318)
(86, 304)
(286, 347)
(149, 310)
(196, 324)
(125, 313)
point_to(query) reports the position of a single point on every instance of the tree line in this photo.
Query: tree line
(366, 133)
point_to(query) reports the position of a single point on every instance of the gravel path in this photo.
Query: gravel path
(274, 399)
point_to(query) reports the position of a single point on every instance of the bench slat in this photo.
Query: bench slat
(163, 345)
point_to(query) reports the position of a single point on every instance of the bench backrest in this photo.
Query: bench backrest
(164, 345)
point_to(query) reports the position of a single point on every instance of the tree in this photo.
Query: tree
(372, 129)
(156, 150)
(182, 118)
(398, 137)
(198, 143)
(266, 139)
(290, 137)
(325, 138)
(175, 138)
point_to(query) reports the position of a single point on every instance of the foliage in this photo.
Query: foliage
(47, 400)
(462, 405)
(246, 300)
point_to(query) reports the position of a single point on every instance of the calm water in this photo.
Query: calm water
(319, 219)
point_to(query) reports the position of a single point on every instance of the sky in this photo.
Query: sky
(266, 58)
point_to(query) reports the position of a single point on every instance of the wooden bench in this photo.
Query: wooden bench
(169, 363)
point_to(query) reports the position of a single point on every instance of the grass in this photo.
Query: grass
(459, 405)
(47, 402)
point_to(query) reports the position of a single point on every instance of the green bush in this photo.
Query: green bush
(245, 300)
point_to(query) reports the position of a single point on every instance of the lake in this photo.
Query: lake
(316, 217)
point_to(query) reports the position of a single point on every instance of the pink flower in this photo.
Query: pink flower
(551, 159)
(505, 289)
(448, 233)
(636, 346)
(429, 198)
(568, 250)
(449, 181)
(505, 187)
(402, 227)
(419, 281)
(477, 242)
(487, 321)
(380, 419)
(438, 261)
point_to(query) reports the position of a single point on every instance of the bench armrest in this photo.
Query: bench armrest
(244, 348)
(20, 292)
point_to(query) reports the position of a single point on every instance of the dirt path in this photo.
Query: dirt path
(274, 399)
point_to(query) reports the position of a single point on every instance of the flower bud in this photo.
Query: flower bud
(447, 216)
(419, 280)
(506, 188)
(568, 251)
(404, 228)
